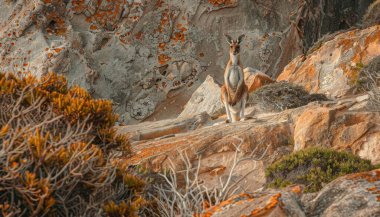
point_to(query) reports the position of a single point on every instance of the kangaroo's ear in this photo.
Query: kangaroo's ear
(229, 39)
(240, 39)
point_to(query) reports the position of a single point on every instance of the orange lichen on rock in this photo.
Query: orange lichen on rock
(59, 25)
(220, 206)
(153, 151)
(222, 2)
(321, 70)
(273, 202)
(297, 189)
(260, 210)
(139, 35)
(218, 171)
(162, 46)
(163, 59)
(372, 176)
(93, 27)
(165, 18)
(107, 17)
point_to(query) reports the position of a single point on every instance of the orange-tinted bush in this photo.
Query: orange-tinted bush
(54, 157)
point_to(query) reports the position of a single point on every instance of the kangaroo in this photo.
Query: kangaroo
(234, 92)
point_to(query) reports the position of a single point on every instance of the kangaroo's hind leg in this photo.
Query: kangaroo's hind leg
(242, 109)
(226, 105)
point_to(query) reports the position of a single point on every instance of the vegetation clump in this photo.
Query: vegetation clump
(54, 152)
(280, 96)
(314, 168)
(369, 80)
(369, 76)
(372, 16)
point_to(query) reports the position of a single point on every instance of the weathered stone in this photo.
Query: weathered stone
(125, 41)
(205, 99)
(339, 129)
(334, 67)
(269, 203)
(255, 79)
(164, 128)
(351, 195)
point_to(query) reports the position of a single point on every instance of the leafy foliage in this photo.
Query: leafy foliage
(313, 168)
(54, 152)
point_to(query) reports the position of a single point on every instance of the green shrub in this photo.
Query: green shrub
(313, 168)
(54, 152)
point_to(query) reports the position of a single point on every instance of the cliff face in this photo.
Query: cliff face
(150, 55)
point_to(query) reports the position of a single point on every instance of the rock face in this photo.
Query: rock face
(140, 53)
(351, 195)
(340, 125)
(333, 67)
(356, 194)
(270, 204)
(339, 129)
(205, 99)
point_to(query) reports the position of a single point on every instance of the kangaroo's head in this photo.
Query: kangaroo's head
(234, 44)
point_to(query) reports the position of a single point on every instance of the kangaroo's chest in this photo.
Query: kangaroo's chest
(234, 76)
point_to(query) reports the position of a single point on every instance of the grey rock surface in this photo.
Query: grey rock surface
(205, 99)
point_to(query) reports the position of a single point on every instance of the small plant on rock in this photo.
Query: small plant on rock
(282, 95)
(369, 81)
(372, 16)
(314, 168)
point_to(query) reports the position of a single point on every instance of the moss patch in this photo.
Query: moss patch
(314, 168)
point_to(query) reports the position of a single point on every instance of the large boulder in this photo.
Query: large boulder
(205, 99)
(333, 67)
(339, 129)
(268, 204)
(351, 195)
(140, 53)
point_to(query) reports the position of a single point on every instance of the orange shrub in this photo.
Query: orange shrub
(54, 158)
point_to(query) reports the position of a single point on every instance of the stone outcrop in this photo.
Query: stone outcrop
(350, 195)
(255, 79)
(205, 99)
(333, 66)
(356, 194)
(269, 204)
(140, 53)
(340, 129)
(341, 125)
